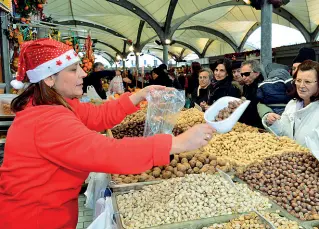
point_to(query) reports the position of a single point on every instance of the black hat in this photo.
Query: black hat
(163, 66)
(236, 65)
(305, 54)
(157, 71)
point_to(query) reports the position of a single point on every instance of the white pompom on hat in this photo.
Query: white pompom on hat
(42, 58)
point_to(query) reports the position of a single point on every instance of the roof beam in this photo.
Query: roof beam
(189, 47)
(169, 52)
(214, 32)
(208, 43)
(139, 34)
(181, 20)
(182, 53)
(139, 12)
(169, 16)
(279, 11)
(98, 41)
(315, 34)
(100, 52)
(142, 45)
(247, 35)
(151, 54)
(293, 20)
(90, 24)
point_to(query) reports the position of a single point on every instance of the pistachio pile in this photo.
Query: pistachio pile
(185, 163)
(248, 147)
(291, 180)
(253, 221)
(186, 198)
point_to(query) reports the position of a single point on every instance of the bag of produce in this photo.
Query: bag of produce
(92, 94)
(116, 86)
(162, 111)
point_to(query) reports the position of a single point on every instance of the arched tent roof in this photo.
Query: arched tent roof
(205, 27)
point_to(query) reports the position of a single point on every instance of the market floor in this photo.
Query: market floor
(85, 214)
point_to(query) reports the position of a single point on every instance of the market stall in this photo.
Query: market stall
(268, 182)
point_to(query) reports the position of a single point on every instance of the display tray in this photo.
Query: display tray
(194, 224)
(306, 224)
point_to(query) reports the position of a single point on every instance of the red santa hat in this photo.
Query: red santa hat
(42, 58)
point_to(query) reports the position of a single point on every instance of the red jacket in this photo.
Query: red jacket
(50, 151)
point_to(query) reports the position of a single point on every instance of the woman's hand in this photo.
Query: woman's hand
(141, 95)
(271, 118)
(194, 138)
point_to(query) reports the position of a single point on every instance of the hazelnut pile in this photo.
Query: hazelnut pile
(192, 197)
(185, 163)
(253, 221)
(131, 126)
(227, 111)
(188, 119)
(245, 148)
(291, 180)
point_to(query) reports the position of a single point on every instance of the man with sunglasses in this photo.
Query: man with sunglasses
(251, 73)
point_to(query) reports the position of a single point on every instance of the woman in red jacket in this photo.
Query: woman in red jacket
(52, 144)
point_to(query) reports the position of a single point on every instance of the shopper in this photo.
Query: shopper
(94, 79)
(300, 118)
(238, 79)
(159, 77)
(222, 83)
(202, 93)
(303, 54)
(192, 79)
(52, 144)
(251, 73)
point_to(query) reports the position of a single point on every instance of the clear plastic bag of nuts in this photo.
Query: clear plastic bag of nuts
(162, 111)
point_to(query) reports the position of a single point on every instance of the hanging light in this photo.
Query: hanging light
(142, 54)
(137, 54)
(247, 2)
(167, 41)
(118, 57)
(131, 48)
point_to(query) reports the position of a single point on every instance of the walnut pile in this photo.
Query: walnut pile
(131, 126)
(253, 221)
(227, 111)
(192, 197)
(185, 163)
(245, 148)
(6, 109)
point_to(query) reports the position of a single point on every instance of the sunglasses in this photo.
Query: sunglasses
(245, 74)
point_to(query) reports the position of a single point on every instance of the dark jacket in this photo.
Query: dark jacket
(223, 88)
(202, 97)
(193, 83)
(163, 80)
(94, 79)
(250, 116)
(273, 91)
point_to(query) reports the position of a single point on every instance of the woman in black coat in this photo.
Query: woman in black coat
(222, 82)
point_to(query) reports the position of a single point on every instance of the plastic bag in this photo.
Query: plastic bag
(91, 93)
(105, 220)
(116, 86)
(95, 190)
(162, 111)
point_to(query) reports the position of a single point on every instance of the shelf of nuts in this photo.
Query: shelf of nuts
(185, 163)
(243, 148)
(291, 180)
(188, 198)
(253, 221)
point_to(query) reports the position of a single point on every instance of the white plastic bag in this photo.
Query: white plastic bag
(95, 190)
(116, 86)
(91, 93)
(105, 220)
(313, 143)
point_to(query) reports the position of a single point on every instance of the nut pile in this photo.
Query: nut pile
(245, 148)
(241, 127)
(131, 126)
(185, 163)
(291, 180)
(188, 119)
(227, 111)
(253, 221)
(6, 109)
(186, 198)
